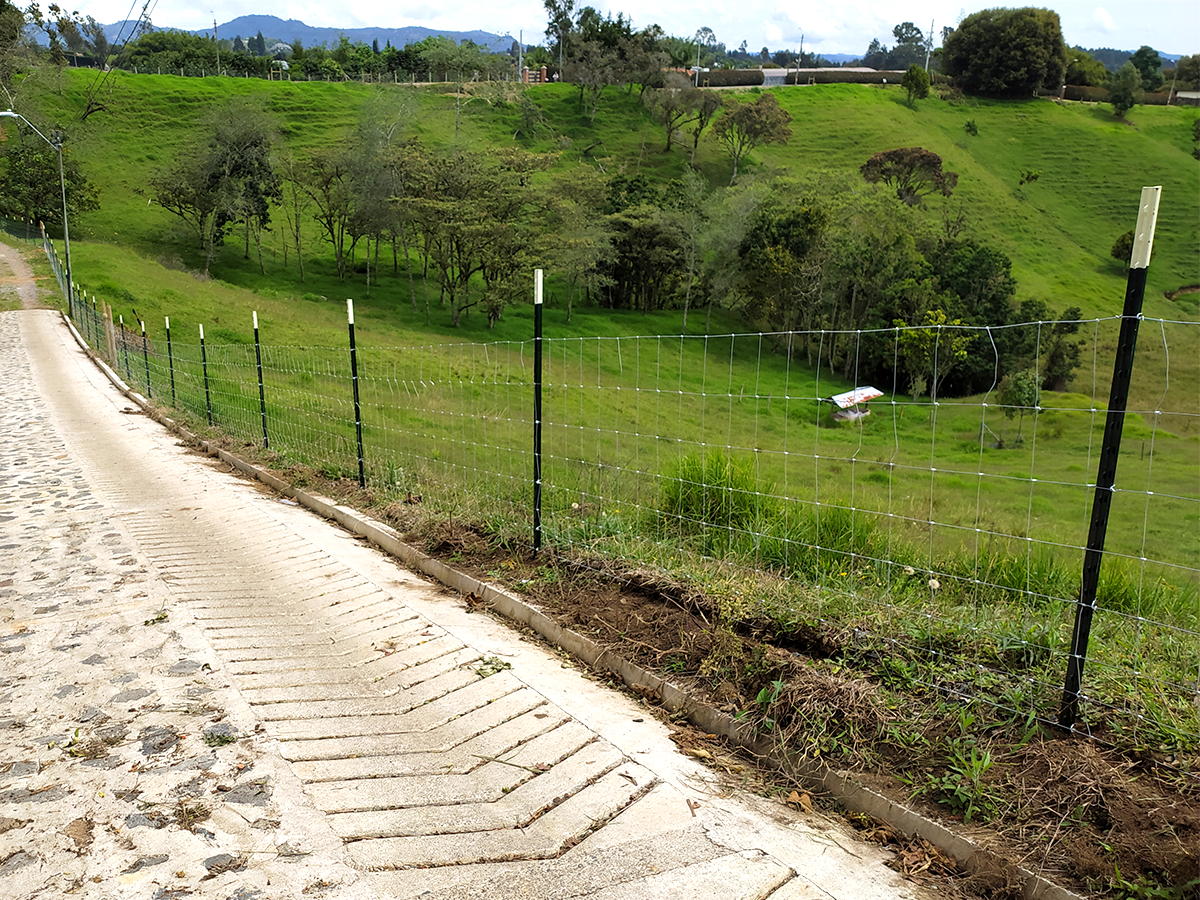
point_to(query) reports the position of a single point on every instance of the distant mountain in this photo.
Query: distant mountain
(1114, 59)
(275, 28)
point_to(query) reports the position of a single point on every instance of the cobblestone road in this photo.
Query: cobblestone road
(207, 692)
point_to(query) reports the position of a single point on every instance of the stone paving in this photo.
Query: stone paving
(209, 693)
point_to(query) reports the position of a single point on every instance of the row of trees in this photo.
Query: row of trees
(459, 231)
(434, 57)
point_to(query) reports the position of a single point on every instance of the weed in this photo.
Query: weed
(766, 699)
(157, 619)
(490, 665)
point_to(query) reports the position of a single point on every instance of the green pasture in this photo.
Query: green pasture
(946, 490)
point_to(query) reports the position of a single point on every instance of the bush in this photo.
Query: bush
(1122, 249)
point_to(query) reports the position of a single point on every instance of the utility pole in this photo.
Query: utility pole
(520, 53)
(218, 43)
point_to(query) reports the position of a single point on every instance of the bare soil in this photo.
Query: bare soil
(1070, 809)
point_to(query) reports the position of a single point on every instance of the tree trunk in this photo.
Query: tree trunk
(408, 265)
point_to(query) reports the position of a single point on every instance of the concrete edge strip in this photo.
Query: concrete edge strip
(841, 786)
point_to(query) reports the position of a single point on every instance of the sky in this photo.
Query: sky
(827, 26)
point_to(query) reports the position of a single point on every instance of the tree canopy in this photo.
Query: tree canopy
(913, 171)
(744, 126)
(1007, 52)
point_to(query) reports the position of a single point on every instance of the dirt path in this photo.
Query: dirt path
(17, 279)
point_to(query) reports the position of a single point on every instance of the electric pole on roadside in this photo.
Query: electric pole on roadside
(217, 40)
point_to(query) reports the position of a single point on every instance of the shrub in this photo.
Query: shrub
(1122, 248)
(916, 82)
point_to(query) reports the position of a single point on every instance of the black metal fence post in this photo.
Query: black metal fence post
(1109, 450)
(125, 349)
(362, 475)
(262, 397)
(204, 366)
(537, 410)
(170, 359)
(146, 358)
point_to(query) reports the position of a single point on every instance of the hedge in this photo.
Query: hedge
(731, 78)
(1100, 95)
(833, 77)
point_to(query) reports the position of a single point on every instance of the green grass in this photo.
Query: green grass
(642, 430)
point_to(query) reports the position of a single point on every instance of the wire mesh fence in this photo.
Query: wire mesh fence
(942, 539)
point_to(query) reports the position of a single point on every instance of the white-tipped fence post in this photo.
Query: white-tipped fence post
(1106, 476)
(362, 474)
(537, 410)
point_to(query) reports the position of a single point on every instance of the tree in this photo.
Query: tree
(30, 189)
(916, 82)
(238, 45)
(560, 19)
(1007, 52)
(708, 104)
(1125, 91)
(979, 287)
(743, 127)
(876, 55)
(910, 47)
(674, 104)
(931, 350)
(226, 178)
(475, 211)
(580, 244)
(914, 173)
(1085, 69)
(1061, 353)
(592, 67)
(1187, 73)
(781, 258)
(1019, 392)
(1149, 65)
(12, 48)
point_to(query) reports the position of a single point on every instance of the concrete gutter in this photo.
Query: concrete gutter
(842, 786)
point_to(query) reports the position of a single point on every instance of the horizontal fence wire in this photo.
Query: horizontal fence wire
(942, 539)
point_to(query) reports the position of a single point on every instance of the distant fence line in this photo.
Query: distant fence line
(919, 527)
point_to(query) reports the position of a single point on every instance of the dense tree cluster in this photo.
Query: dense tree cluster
(1007, 52)
(911, 49)
(833, 267)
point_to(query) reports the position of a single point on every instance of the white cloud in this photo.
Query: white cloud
(1104, 20)
(774, 34)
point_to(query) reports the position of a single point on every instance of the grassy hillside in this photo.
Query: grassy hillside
(1057, 230)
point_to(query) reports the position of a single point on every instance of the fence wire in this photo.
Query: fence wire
(942, 539)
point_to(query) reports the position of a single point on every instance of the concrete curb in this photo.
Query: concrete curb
(841, 786)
